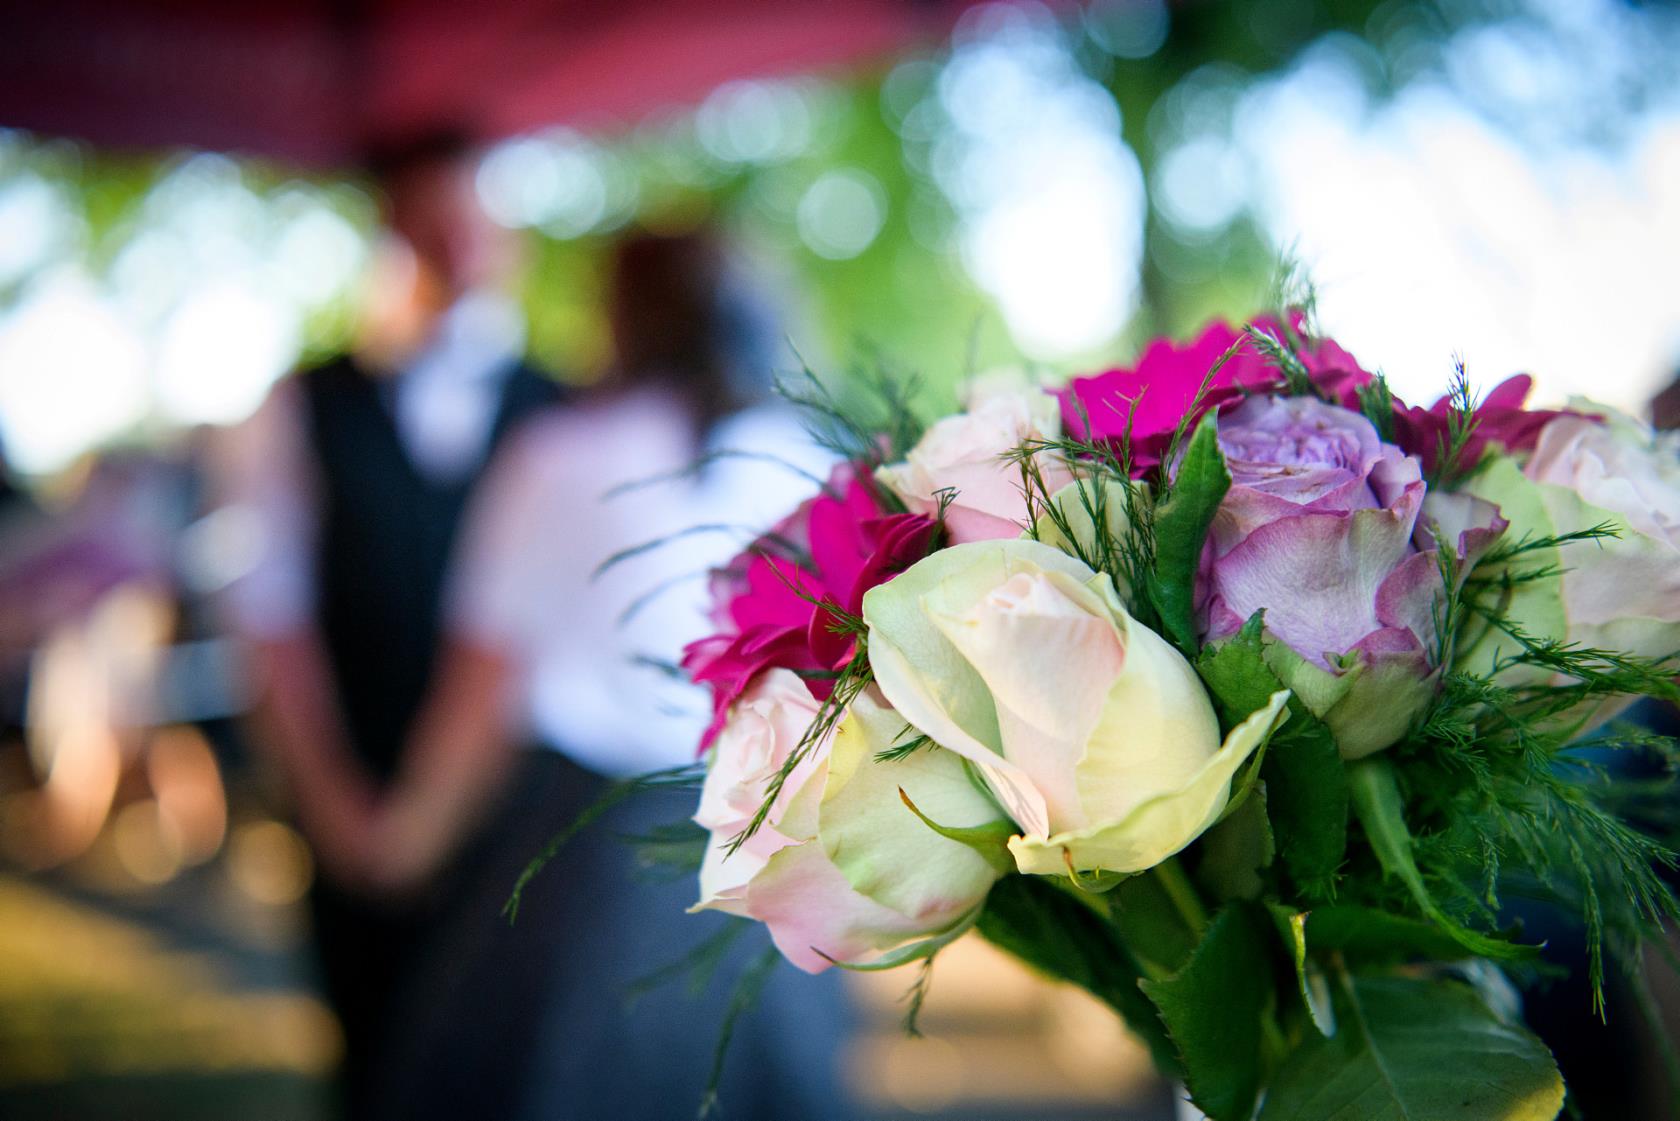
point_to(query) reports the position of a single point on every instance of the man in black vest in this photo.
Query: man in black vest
(392, 726)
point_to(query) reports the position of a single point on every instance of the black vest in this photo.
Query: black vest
(387, 536)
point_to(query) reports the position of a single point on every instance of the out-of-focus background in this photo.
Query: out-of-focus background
(943, 189)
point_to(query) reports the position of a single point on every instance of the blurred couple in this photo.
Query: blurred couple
(445, 684)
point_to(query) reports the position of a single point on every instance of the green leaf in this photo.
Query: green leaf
(1415, 1050)
(1373, 937)
(1236, 674)
(990, 840)
(1233, 853)
(1213, 1009)
(1152, 924)
(915, 951)
(1309, 979)
(1376, 797)
(1306, 790)
(1307, 801)
(1065, 936)
(1181, 525)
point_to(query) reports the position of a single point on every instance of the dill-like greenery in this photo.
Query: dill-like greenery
(904, 748)
(1101, 472)
(853, 679)
(745, 995)
(1376, 402)
(916, 996)
(1291, 288)
(1499, 791)
(876, 423)
(699, 464)
(1462, 423)
(697, 967)
(1297, 378)
(688, 776)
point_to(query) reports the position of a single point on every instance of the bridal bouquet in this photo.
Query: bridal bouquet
(1228, 687)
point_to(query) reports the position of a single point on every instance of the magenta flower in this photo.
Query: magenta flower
(771, 606)
(1160, 390)
(1500, 420)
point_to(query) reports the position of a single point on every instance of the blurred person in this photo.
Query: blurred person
(431, 520)
(688, 386)
(394, 719)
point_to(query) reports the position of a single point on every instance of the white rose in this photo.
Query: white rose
(841, 869)
(966, 454)
(1095, 734)
(1619, 593)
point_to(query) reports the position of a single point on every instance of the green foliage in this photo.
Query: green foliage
(1416, 1050)
(1236, 674)
(1381, 811)
(1071, 939)
(916, 996)
(1152, 923)
(1309, 980)
(1367, 936)
(747, 989)
(904, 748)
(1295, 374)
(875, 421)
(1307, 802)
(921, 950)
(671, 851)
(1462, 423)
(1107, 522)
(688, 777)
(1214, 1008)
(1235, 853)
(1306, 788)
(1377, 403)
(990, 840)
(699, 965)
(1496, 796)
(1181, 525)
(853, 679)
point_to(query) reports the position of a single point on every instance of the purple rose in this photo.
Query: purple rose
(1317, 531)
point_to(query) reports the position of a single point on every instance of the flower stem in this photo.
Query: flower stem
(1185, 899)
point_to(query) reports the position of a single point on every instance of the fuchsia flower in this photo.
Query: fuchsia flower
(770, 603)
(1164, 382)
(1158, 392)
(1500, 419)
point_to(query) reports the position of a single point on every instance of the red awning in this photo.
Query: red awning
(316, 82)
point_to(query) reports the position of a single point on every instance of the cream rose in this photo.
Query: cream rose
(1620, 593)
(841, 869)
(966, 454)
(1095, 735)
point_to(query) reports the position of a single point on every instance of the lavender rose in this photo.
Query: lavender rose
(1317, 531)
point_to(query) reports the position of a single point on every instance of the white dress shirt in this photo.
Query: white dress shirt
(526, 578)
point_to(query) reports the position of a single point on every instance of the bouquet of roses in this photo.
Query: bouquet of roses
(1227, 687)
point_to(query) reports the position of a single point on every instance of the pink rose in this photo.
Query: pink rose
(963, 460)
(841, 869)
